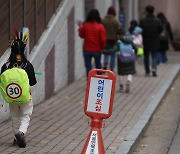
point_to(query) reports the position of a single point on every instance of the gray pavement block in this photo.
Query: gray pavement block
(124, 147)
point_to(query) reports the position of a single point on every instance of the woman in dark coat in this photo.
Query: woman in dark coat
(165, 36)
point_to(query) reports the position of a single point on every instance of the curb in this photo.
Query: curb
(135, 134)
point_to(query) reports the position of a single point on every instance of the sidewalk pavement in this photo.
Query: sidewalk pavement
(59, 125)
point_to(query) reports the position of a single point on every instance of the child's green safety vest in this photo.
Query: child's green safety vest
(15, 86)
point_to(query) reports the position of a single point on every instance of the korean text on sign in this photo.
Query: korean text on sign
(100, 89)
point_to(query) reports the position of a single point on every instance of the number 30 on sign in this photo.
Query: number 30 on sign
(13, 90)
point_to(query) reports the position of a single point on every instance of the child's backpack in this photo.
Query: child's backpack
(127, 53)
(15, 86)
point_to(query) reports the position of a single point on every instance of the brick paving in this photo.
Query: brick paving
(59, 125)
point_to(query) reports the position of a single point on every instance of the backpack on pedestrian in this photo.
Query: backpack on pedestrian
(164, 34)
(126, 53)
(15, 88)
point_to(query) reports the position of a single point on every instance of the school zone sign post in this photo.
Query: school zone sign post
(98, 105)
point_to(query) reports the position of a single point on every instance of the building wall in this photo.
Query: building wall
(51, 55)
(169, 8)
(173, 14)
(103, 7)
(61, 62)
(130, 11)
(79, 61)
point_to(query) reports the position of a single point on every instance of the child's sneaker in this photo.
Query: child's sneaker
(20, 139)
(121, 90)
(127, 87)
(14, 142)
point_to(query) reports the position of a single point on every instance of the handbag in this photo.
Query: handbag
(140, 51)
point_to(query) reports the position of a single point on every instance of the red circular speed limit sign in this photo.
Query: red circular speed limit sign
(13, 90)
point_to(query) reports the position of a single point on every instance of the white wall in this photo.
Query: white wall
(102, 6)
(4, 107)
(61, 57)
(79, 61)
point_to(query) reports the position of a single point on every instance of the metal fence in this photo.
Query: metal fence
(34, 14)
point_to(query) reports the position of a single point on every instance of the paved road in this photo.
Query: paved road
(162, 128)
(175, 148)
(59, 125)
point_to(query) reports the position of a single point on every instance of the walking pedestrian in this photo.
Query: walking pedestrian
(165, 36)
(126, 54)
(133, 25)
(152, 28)
(22, 108)
(136, 33)
(111, 25)
(126, 68)
(94, 35)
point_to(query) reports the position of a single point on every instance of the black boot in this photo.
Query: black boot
(154, 74)
(20, 139)
(121, 90)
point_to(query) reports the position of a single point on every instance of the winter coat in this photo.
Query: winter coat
(164, 42)
(125, 68)
(152, 28)
(94, 36)
(111, 25)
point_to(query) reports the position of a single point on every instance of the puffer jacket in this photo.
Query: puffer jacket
(94, 36)
(126, 68)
